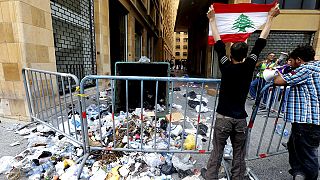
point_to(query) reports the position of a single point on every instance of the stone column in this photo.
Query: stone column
(316, 44)
(26, 40)
(102, 35)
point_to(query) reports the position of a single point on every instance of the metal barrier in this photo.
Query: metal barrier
(48, 107)
(59, 112)
(266, 143)
(143, 146)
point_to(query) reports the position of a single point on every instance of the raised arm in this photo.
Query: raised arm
(213, 25)
(271, 15)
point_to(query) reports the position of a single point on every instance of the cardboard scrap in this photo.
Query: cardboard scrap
(150, 113)
(176, 116)
(212, 92)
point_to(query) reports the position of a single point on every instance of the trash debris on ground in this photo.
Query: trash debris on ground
(228, 151)
(279, 130)
(15, 143)
(177, 89)
(51, 155)
(175, 116)
(212, 92)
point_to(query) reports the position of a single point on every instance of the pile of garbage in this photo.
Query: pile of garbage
(48, 155)
(51, 155)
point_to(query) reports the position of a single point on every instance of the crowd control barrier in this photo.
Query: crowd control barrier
(61, 102)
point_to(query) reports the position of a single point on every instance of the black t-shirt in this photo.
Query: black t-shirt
(235, 80)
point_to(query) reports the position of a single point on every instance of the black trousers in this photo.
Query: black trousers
(224, 128)
(303, 150)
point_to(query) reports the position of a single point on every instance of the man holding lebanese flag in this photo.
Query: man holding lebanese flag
(235, 22)
(236, 77)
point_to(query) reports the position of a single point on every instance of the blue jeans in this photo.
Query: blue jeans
(303, 150)
(255, 87)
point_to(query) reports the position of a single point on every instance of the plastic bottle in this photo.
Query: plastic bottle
(279, 129)
(35, 170)
(285, 133)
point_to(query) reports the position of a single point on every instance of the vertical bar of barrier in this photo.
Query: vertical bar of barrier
(48, 93)
(184, 119)
(83, 117)
(30, 83)
(276, 96)
(54, 101)
(155, 117)
(274, 127)
(37, 109)
(65, 101)
(73, 118)
(113, 106)
(38, 90)
(283, 96)
(213, 114)
(171, 102)
(59, 97)
(44, 97)
(141, 115)
(199, 116)
(127, 111)
(265, 123)
(26, 87)
(98, 103)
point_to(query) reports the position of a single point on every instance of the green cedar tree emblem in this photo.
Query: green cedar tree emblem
(242, 23)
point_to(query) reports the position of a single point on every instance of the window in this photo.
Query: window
(185, 39)
(138, 41)
(177, 53)
(185, 47)
(185, 53)
(293, 4)
(178, 40)
(177, 46)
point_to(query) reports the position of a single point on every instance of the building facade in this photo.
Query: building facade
(181, 46)
(298, 23)
(81, 37)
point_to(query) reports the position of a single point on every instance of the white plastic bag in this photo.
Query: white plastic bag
(178, 164)
(154, 159)
(6, 164)
(144, 59)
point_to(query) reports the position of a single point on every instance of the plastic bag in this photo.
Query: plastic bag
(144, 59)
(178, 164)
(6, 164)
(154, 160)
(190, 143)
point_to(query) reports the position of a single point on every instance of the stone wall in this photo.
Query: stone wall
(26, 40)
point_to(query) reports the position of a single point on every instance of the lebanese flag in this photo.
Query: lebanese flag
(235, 22)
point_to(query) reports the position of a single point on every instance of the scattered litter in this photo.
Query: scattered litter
(6, 164)
(212, 92)
(175, 116)
(184, 164)
(15, 144)
(228, 151)
(177, 89)
(203, 109)
(177, 106)
(144, 59)
(51, 155)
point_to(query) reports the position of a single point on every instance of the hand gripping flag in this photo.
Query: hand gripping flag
(235, 22)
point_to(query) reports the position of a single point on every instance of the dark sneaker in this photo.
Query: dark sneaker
(203, 173)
